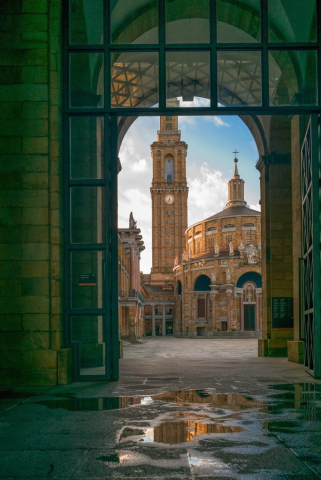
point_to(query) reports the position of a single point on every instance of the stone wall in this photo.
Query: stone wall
(31, 266)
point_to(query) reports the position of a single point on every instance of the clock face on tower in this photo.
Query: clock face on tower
(169, 199)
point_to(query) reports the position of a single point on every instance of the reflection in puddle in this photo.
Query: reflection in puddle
(232, 401)
(176, 432)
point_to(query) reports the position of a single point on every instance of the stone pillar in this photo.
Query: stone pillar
(257, 314)
(153, 322)
(213, 295)
(164, 321)
(229, 320)
(242, 312)
(132, 268)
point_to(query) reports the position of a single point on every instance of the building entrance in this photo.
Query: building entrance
(249, 317)
(267, 74)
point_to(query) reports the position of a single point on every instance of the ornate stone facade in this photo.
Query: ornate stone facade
(216, 280)
(218, 284)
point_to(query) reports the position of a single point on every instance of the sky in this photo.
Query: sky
(211, 143)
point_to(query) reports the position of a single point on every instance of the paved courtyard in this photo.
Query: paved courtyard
(183, 409)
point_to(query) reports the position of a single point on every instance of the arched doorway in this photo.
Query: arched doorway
(249, 290)
(149, 73)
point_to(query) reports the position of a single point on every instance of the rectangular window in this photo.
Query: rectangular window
(201, 310)
(300, 25)
(87, 206)
(87, 274)
(86, 80)
(188, 78)
(87, 331)
(86, 148)
(293, 77)
(239, 78)
(86, 22)
(140, 18)
(134, 79)
(238, 22)
(184, 17)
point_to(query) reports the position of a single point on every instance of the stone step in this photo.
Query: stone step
(237, 334)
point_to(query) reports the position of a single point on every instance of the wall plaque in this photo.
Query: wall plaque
(282, 312)
(87, 280)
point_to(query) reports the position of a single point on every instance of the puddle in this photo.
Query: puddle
(175, 432)
(231, 401)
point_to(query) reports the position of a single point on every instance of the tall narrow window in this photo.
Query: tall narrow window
(169, 169)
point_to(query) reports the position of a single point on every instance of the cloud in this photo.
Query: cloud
(218, 122)
(140, 165)
(207, 192)
(257, 206)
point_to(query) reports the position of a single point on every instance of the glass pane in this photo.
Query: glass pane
(238, 21)
(239, 79)
(293, 77)
(87, 279)
(184, 17)
(87, 331)
(188, 78)
(134, 79)
(86, 147)
(134, 21)
(86, 22)
(291, 21)
(86, 80)
(87, 215)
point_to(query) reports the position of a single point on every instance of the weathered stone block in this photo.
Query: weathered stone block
(35, 322)
(34, 145)
(25, 340)
(10, 323)
(35, 286)
(34, 110)
(30, 6)
(34, 216)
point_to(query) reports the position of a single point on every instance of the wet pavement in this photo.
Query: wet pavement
(224, 414)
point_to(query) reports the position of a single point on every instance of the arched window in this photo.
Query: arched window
(169, 169)
(202, 284)
(179, 287)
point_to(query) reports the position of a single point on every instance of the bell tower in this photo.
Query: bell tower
(169, 193)
(236, 188)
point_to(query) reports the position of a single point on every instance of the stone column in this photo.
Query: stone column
(213, 295)
(257, 313)
(164, 321)
(132, 268)
(228, 293)
(242, 312)
(153, 322)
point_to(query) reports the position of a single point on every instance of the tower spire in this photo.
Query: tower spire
(236, 172)
(236, 187)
